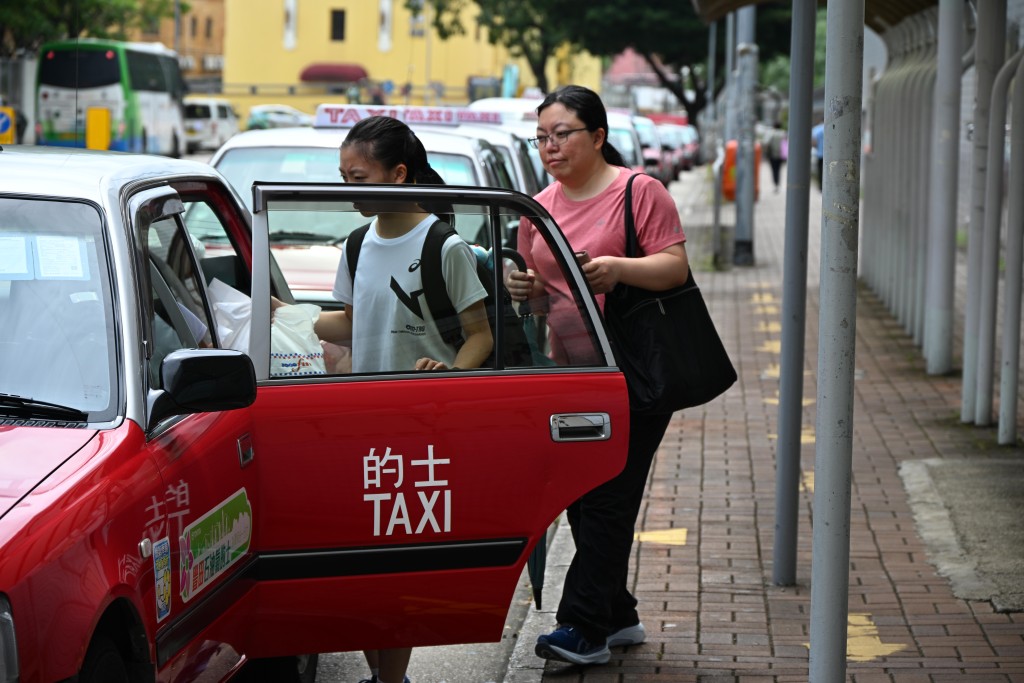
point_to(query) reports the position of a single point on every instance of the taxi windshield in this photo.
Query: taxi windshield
(56, 317)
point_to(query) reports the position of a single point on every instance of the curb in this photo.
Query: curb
(524, 666)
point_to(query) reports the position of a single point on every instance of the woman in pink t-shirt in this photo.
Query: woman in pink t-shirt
(587, 200)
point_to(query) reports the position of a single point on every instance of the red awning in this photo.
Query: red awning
(333, 72)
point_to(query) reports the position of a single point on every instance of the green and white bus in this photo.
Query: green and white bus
(140, 84)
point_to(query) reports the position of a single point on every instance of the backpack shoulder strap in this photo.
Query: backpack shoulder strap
(353, 244)
(435, 290)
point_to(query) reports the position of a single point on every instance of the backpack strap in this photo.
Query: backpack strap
(435, 290)
(353, 243)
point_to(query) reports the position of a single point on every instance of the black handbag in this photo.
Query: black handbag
(665, 342)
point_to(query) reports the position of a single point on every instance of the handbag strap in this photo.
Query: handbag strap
(633, 243)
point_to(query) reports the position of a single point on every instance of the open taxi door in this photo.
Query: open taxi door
(399, 508)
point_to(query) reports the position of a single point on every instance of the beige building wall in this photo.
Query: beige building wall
(200, 42)
(269, 42)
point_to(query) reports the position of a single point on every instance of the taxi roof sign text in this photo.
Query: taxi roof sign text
(348, 115)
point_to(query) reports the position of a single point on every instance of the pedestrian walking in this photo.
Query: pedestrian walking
(587, 200)
(776, 140)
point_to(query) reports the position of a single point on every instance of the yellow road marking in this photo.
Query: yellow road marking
(762, 298)
(766, 310)
(771, 346)
(774, 401)
(806, 435)
(862, 641)
(769, 327)
(663, 536)
(807, 482)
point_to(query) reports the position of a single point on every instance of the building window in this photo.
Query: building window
(337, 24)
(209, 28)
(195, 26)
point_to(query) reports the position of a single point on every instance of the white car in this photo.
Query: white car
(209, 122)
(308, 248)
(276, 116)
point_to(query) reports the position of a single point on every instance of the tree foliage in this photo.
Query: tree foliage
(665, 32)
(26, 24)
(524, 27)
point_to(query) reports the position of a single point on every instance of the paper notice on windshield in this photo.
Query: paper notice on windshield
(60, 258)
(15, 261)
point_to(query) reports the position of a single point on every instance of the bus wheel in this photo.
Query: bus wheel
(103, 663)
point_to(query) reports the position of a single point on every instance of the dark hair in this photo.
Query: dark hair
(589, 108)
(390, 142)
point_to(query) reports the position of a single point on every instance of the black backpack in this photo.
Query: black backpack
(518, 352)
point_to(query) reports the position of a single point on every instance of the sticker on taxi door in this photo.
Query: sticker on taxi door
(214, 542)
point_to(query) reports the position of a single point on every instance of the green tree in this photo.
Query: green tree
(526, 28)
(26, 24)
(667, 32)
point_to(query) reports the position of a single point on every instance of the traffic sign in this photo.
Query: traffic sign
(7, 126)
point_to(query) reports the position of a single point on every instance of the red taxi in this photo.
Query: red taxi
(172, 509)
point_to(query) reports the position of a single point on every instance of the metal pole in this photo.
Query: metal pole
(837, 325)
(709, 90)
(1014, 268)
(794, 293)
(989, 54)
(746, 165)
(942, 190)
(989, 279)
(177, 27)
(730, 76)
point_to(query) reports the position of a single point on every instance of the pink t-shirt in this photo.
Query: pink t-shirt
(598, 226)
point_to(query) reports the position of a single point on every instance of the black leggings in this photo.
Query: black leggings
(594, 598)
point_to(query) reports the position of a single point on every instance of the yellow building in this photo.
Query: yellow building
(198, 37)
(270, 44)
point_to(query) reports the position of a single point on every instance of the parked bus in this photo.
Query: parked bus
(139, 83)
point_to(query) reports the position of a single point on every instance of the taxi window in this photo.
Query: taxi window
(242, 166)
(57, 320)
(394, 322)
(455, 169)
(179, 317)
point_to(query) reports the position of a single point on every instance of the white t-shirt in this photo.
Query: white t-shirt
(393, 327)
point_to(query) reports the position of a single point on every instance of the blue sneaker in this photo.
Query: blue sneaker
(566, 644)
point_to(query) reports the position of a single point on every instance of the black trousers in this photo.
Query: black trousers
(594, 598)
(776, 164)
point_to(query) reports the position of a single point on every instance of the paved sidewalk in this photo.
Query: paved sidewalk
(702, 564)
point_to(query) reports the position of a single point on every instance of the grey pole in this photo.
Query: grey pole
(1010, 361)
(837, 325)
(730, 76)
(709, 91)
(989, 273)
(794, 293)
(989, 54)
(746, 166)
(942, 191)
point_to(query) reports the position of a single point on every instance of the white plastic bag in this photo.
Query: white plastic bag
(233, 312)
(294, 347)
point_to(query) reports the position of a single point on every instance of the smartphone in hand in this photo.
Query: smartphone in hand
(582, 257)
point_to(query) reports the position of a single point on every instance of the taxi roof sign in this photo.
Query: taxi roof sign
(348, 115)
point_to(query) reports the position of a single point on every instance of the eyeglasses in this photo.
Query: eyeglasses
(559, 137)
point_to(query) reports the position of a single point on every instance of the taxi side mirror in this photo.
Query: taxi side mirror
(202, 381)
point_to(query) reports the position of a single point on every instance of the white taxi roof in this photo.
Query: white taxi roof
(84, 174)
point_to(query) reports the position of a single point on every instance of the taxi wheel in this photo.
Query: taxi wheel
(103, 663)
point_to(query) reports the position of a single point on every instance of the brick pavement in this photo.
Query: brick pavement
(705, 590)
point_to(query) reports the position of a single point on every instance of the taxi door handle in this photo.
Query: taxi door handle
(581, 427)
(245, 453)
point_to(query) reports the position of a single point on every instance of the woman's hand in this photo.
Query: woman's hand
(602, 273)
(520, 285)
